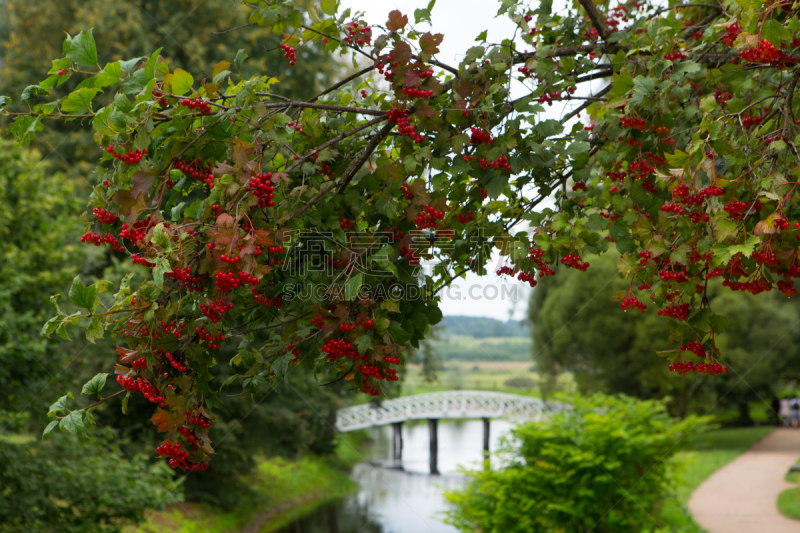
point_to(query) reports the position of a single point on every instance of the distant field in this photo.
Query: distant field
(465, 348)
(485, 375)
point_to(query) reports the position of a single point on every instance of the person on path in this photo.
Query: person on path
(794, 405)
(784, 411)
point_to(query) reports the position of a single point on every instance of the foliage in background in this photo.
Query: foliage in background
(39, 228)
(601, 466)
(577, 327)
(74, 485)
(481, 327)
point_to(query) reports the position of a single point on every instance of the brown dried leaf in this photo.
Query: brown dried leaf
(224, 221)
(163, 420)
(263, 238)
(430, 43)
(764, 226)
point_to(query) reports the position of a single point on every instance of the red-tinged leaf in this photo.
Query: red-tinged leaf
(262, 271)
(764, 226)
(263, 238)
(430, 43)
(221, 168)
(224, 221)
(126, 355)
(464, 89)
(424, 109)
(223, 238)
(397, 21)
(164, 420)
(121, 370)
(412, 79)
(277, 177)
(141, 182)
(249, 247)
(401, 52)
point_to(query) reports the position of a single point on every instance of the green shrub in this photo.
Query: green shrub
(600, 467)
(78, 485)
(520, 383)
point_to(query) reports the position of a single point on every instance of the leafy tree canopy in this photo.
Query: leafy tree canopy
(306, 221)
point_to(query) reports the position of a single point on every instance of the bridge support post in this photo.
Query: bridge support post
(486, 437)
(432, 428)
(397, 443)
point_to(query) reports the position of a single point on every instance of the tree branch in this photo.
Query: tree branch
(598, 20)
(326, 107)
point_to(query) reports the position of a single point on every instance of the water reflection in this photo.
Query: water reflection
(408, 500)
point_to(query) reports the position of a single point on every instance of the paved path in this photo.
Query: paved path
(741, 496)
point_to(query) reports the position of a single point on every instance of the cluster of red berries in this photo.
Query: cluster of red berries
(197, 420)
(479, 136)
(501, 163)
(429, 218)
(574, 261)
(722, 97)
(548, 98)
(672, 207)
(289, 53)
(580, 186)
(679, 312)
(175, 364)
(346, 328)
(703, 368)
(536, 256)
(766, 52)
(417, 93)
(410, 255)
(97, 240)
(179, 458)
(201, 105)
(276, 302)
(633, 302)
(766, 257)
(215, 310)
(143, 387)
(131, 158)
(389, 66)
(677, 277)
(463, 219)
(405, 129)
(354, 28)
(506, 271)
(137, 259)
(227, 281)
(263, 189)
(172, 327)
(732, 32)
(317, 322)
(139, 364)
(737, 208)
(644, 257)
(336, 349)
(229, 259)
(674, 57)
(787, 288)
(694, 347)
(187, 281)
(195, 169)
(213, 341)
(749, 122)
(368, 324)
(104, 216)
(346, 224)
(632, 123)
(525, 71)
(159, 98)
(405, 188)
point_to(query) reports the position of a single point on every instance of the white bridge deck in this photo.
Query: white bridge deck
(450, 404)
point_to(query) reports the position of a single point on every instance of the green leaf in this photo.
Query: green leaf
(576, 148)
(50, 427)
(94, 385)
(481, 38)
(240, 57)
(83, 296)
(746, 248)
(642, 88)
(364, 343)
(725, 229)
(621, 84)
(774, 32)
(150, 66)
(329, 7)
(4, 101)
(719, 323)
(50, 327)
(79, 100)
(82, 49)
(59, 405)
(72, 423)
(110, 76)
(398, 333)
(95, 330)
(32, 92)
(701, 319)
(178, 82)
(295, 18)
(353, 285)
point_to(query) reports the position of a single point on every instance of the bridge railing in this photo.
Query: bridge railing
(448, 404)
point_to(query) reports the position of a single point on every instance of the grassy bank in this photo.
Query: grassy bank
(286, 491)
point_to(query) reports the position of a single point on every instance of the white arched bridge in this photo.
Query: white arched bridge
(449, 405)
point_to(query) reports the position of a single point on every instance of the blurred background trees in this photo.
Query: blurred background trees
(578, 328)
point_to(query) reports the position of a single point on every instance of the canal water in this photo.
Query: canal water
(408, 500)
